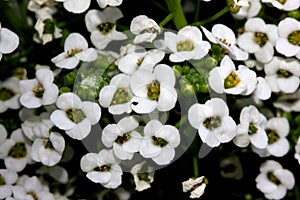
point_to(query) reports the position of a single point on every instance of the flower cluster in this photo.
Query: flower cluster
(90, 92)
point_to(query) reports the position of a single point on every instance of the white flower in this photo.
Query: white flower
(102, 168)
(113, 3)
(9, 94)
(159, 142)
(225, 37)
(9, 41)
(48, 147)
(123, 137)
(75, 116)
(7, 179)
(277, 128)
(213, 122)
(153, 89)
(76, 6)
(75, 50)
(102, 26)
(274, 180)
(251, 128)
(47, 30)
(195, 186)
(259, 39)
(226, 79)
(248, 11)
(142, 179)
(144, 29)
(288, 43)
(283, 74)
(117, 95)
(286, 5)
(32, 188)
(297, 150)
(15, 151)
(187, 44)
(140, 59)
(39, 91)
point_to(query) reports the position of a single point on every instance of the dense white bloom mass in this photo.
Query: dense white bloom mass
(274, 180)
(213, 122)
(75, 50)
(75, 116)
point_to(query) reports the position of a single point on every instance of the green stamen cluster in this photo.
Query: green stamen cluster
(2, 180)
(212, 123)
(260, 38)
(75, 115)
(49, 26)
(48, 144)
(159, 141)
(294, 38)
(105, 27)
(252, 129)
(103, 168)
(72, 52)
(144, 176)
(273, 178)
(121, 139)
(18, 150)
(231, 80)
(185, 45)
(282, 73)
(6, 94)
(121, 96)
(38, 90)
(272, 136)
(153, 90)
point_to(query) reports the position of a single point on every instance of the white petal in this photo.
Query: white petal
(99, 177)
(166, 155)
(106, 95)
(29, 100)
(68, 100)
(165, 74)
(167, 98)
(196, 115)
(88, 162)
(87, 55)
(9, 41)
(60, 119)
(143, 106)
(80, 130)
(148, 149)
(128, 124)
(92, 111)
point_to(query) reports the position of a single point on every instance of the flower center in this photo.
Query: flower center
(2, 180)
(281, 1)
(231, 80)
(49, 26)
(144, 176)
(103, 168)
(159, 141)
(294, 38)
(224, 41)
(213, 122)
(185, 45)
(282, 73)
(252, 129)
(18, 150)
(48, 144)
(105, 27)
(122, 95)
(121, 139)
(260, 38)
(273, 178)
(33, 194)
(272, 136)
(153, 90)
(140, 61)
(6, 94)
(75, 115)
(38, 91)
(72, 52)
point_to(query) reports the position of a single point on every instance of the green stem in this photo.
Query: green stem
(195, 166)
(181, 121)
(197, 11)
(166, 20)
(212, 18)
(175, 9)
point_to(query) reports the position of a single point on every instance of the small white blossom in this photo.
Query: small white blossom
(123, 137)
(142, 179)
(286, 5)
(39, 91)
(159, 142)
(144, 29)
(195, 186)
(105, 3)
(76, 6)
(9, 94)
(7, 179)
(74, 116)
(248, 11)
(288, 43)
(226, 79)
(213, 122)
(274, 180)
(75, 50)
(283, 74)
(187, 44)
(47, 31)
(102, 26)
(225, 37)
(9, 41)
(102, 168)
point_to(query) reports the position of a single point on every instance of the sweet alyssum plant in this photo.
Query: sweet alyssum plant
(173, 100)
